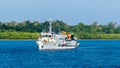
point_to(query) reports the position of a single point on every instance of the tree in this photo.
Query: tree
(111, 27)
(117, 30)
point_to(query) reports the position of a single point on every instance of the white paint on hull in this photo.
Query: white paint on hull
(54, 47)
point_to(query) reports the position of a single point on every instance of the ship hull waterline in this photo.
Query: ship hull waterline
(54, 47)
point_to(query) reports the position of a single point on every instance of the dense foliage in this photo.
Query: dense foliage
(30, 30)
(18, 35)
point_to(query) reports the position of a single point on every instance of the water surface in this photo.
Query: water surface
(90, 53)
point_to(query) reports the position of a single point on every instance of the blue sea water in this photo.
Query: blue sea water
(90, 54)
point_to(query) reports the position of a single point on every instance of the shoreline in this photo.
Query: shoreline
(78, 39)
(98, 39)
(18, 39)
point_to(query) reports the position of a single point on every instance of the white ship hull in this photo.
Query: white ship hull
(54, 47)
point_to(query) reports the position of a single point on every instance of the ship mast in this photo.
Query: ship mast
(50, 27)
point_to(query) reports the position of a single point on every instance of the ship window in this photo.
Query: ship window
(46, 36)
(49, 35)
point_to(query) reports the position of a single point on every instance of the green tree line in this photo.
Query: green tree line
(18, 35)
(31, 29)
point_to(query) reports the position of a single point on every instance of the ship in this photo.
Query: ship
(56, 41)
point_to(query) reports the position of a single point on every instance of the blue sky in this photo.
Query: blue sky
(70, 11)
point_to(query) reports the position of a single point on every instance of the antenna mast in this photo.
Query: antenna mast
(50, 28)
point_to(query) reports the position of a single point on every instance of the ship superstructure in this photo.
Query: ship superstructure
(50, 40)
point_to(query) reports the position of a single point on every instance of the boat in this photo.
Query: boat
(53, 41)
